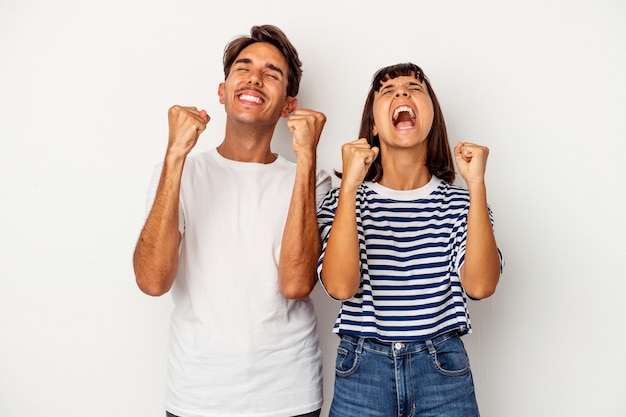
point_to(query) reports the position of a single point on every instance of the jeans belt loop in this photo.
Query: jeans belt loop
(359, 345)
(431, 347)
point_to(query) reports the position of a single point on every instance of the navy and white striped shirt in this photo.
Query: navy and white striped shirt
(412, 246)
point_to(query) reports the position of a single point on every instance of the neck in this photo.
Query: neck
(247, 144)
(404, 171)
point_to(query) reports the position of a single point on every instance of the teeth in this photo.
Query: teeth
(248, 97)
(400, 110)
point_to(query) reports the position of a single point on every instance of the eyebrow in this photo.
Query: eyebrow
(270, 66)
(393, 85)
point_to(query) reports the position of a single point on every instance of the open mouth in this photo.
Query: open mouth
(250, 98)
(403, 117)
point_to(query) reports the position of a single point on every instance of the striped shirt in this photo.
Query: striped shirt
(412, 245)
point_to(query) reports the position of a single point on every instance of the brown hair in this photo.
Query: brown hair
(439, 159)
(274, 36)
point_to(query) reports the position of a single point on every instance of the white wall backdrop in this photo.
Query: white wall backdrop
(84, 92)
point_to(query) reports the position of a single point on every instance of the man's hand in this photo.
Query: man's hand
(306, 126)
(185, 124)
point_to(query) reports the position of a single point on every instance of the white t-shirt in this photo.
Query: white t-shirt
(238, 347)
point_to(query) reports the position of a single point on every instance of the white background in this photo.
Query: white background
(84, 92)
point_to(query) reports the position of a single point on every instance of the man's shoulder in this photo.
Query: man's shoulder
(200, 160)
(201, 156)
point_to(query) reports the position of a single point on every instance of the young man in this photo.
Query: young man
(233, 233)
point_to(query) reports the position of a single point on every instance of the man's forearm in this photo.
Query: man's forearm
(155, 259)
(300, 247)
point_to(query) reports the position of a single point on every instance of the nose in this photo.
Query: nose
(402, 91)
(255, 78)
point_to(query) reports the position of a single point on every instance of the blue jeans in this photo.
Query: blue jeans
(408, 379)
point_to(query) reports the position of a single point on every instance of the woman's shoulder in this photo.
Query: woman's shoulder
(452, 190)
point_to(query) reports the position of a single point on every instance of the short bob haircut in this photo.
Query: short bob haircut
(274, 36)
(439, 158)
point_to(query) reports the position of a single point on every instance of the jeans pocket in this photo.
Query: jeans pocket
(450, 358)
(347, 360)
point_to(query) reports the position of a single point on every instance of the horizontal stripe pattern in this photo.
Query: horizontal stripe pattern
(412, 246)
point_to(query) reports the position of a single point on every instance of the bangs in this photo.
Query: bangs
(394, 71)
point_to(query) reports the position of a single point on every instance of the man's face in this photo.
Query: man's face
(256, 87)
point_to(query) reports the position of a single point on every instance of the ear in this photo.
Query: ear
(290, 105)
(374, 131)
(220, 92)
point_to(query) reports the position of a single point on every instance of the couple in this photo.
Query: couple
(240, 236)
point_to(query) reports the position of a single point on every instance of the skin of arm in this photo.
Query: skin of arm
(341, 270)
(481, 271)
(155, 259)
(300, 248)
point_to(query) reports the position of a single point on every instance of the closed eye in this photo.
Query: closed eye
(274, 72)
(387, 90)
(416, 87)
(240, 67)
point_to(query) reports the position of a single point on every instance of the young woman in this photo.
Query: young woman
(403, 249)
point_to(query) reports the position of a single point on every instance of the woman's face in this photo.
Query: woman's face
(403, 113)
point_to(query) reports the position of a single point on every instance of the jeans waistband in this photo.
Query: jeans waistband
(396, 347)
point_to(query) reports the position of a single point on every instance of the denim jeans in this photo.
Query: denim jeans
(408, 379)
